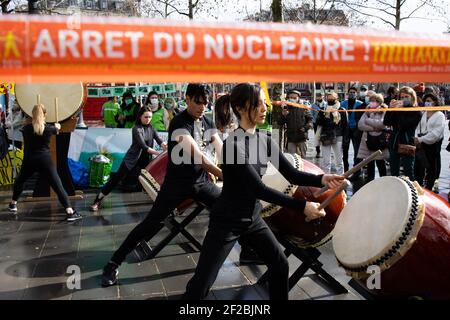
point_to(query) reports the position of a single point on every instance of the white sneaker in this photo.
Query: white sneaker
(436, 186)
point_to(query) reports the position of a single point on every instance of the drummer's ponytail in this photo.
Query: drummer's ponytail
(223, 112)
(38, 120)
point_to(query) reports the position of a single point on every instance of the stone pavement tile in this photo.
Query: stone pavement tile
(175, 272)
(314, 287)
(59, 242)
(143, 278)
(48, 289)
(15, 275)
(297, 293)
(91, 270)
(230, 276)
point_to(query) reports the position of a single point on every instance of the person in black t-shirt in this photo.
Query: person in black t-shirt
(142, 145)
(237, 213)
(191, 135)
(37, 158)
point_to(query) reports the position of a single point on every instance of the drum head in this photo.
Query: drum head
(70, 98)
(372, 222)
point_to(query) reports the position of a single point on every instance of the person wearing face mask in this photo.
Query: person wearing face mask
(143, 136)
(169, 106)
(392, 94)
(403, 125)
(159, 112)
(332, 126)
(374, 136)
(362, 92)
(318, 106)
(353, 134)
(298, 121)
(126, 116)
(429, 136)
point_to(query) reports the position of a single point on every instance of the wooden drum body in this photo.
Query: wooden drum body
(290, 222)
(152, 177)
(401, 230)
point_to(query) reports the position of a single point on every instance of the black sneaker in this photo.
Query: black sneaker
(74, 216)
(248, 256)
(12, 207)
(109, 276)
(96, 204)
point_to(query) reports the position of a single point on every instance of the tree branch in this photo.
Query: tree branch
(366, 7)
(387, 4)
(174, 8)
(412, 12)
(367, 14)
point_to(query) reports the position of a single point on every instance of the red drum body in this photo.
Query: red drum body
(408, 241)
(290, 222)
(152, 177)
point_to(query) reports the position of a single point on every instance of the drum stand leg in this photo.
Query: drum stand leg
(308, 257)
(145, 252)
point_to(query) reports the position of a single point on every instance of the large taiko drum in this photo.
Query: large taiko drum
(290, 222)
(70, 98)
(152, 177)
(391, 225)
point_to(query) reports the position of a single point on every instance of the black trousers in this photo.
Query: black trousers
(114, 181)
(218, 243)
(354, 135)
(381, 165)
(430, 174)
(169, 197)
(43, 164)
(124, 172)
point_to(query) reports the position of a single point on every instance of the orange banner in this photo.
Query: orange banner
(68, 49)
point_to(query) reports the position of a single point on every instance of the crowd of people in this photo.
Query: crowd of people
(410, 142)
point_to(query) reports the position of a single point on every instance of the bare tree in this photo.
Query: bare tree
(394, 12)
(4, 5)
(186, 8)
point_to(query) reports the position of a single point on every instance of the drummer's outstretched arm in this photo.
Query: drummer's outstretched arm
(263, 192)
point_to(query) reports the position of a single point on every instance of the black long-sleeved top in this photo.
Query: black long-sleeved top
(245, 157)
(404, 126)
(142, 139)
(35, 144)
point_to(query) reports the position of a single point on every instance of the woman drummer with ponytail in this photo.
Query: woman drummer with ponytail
(37, 158)
(237, 212)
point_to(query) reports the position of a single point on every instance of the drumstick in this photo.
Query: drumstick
(328, 200)
(352, 170)
(56, 111)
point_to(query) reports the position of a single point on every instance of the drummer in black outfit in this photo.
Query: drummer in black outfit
(236, 214)
(190, 136)
(143, 137)
(36, 138)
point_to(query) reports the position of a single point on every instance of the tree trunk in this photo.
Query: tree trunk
(33, 6)
(191, 10)
(397, 14)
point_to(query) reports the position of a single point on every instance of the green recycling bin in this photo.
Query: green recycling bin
(100, 171)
